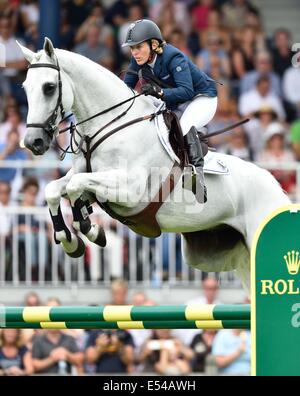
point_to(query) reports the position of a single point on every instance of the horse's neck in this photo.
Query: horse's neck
(95, 89)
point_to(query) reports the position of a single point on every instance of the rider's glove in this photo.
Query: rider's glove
(153, 90)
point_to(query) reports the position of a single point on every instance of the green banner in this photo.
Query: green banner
(275, 294)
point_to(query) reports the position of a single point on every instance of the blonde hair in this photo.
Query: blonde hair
(119, 283)
(160, 46)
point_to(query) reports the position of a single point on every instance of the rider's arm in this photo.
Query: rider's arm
(131, 79)
(184, 90)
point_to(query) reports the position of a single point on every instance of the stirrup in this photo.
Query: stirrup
(187, 174)
(192, 181)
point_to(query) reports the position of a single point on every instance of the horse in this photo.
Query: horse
(216, 236)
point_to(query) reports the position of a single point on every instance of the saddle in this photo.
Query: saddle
(176, 138)
(145, 223)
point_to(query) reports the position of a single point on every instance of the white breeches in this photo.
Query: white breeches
(196, 113)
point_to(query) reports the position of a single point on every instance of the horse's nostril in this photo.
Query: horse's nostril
(38, 144)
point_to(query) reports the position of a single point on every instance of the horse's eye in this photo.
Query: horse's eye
(49, 89)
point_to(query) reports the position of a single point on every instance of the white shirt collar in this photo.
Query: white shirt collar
(153, 62)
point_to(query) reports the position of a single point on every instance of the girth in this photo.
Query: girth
(143, 223)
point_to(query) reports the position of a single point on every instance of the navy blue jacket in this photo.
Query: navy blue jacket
(178, 71)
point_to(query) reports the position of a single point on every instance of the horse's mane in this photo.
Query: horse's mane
(80, 58)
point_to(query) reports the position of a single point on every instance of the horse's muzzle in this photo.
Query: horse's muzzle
(37, 145)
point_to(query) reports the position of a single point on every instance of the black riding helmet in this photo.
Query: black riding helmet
(142, 30)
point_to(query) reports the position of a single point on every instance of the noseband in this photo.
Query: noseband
(49, 125)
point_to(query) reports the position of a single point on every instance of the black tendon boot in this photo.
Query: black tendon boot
(196, 180)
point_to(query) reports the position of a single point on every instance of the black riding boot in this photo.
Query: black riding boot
(196, 159)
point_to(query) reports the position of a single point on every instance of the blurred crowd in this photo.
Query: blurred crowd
(162, 352)
(225, 38)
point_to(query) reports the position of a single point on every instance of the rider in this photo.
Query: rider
(185, 89)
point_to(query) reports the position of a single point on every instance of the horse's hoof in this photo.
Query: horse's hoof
(101, 238)
(79, 252)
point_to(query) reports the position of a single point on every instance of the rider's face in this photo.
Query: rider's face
(140, 52)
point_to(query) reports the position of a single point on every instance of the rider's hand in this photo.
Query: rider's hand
(153, 90)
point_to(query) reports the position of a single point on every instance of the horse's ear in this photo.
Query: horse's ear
(28, 54)
(48, 47)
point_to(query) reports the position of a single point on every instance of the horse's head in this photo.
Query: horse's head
(49, 93)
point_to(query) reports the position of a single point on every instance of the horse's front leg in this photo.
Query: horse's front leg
(72, 244)
(114, 186)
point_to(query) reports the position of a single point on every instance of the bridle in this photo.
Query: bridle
(50, 128)
(49, 125)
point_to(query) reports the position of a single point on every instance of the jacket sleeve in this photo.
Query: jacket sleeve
(131, 79)
(181, 74)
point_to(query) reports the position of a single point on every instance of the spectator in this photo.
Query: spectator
(231, 349)
(235, 13)
(117, 13)
(263, 67)
(12, 120)
(210, 293)
(53, 302)
(257, 126)
(238, 145)
(15, 358)
(170, 10)
(243, 53)
(253, 21)
(77, 11)
(166, 355)
(275, 153)
(139, 298)
(55, 352)
(112, 351)
(28, 232)
(212, 50)
(14, 58)
(31, 37)
(135, 12)
(261, 96)
(32, 299)
(29, 13)
(96, 18)
(11, 151)
(215, 27)
(119, 291)
(79, 335)
(15, 62)
(200, 14)
(281, 51)
(177, 39)
(210, 296)
(202, 347)
(93, 49)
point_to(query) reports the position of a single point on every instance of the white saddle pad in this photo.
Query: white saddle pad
(213, 164)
